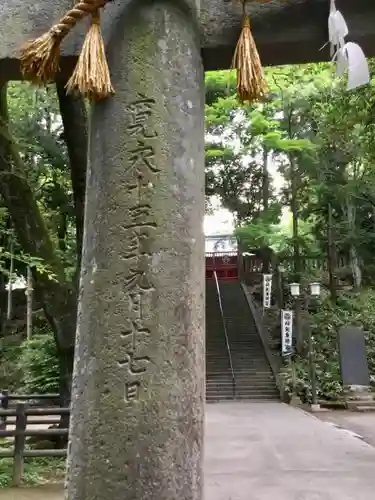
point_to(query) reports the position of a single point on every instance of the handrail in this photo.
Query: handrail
(226, 335)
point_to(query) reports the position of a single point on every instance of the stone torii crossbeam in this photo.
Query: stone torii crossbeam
(138, 388)
(286, 31)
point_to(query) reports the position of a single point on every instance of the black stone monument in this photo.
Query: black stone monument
(353, 359)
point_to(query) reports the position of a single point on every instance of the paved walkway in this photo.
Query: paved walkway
(269, 451)
(274, 452)
(53, 492)
(361, 423)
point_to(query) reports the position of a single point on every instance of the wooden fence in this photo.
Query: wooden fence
(7, 400)
(19, 423)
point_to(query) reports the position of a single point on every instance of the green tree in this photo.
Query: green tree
(43, 192)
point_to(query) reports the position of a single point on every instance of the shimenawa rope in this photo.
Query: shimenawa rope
(40, 57)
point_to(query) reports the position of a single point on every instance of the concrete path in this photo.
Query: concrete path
(362, 424)
(51, 492)
(269, 451)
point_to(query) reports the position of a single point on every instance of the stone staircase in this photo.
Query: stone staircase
(253, 375)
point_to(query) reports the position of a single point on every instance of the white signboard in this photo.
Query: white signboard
(286, 332)
(267, 290)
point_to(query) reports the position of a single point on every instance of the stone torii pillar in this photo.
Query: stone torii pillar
(138, 387)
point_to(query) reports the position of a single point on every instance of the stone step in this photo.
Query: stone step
(240, 362)
(364, 409)
(222, 361)
(358, 405)
(221, 397)
(248, 381)
(244, 389)
(239, 371)
(244, 392)
(240, 374)
(250, 355)
(248, 346)
(260, 374)
(242, 365)
(241, 383)
(240, 350)
(239, 391)
(221, 342)
(245, 349)
(246, 339)
(240, 379)
(249, 387)
(255, 382)
(234, 346)
(253, 376)
(245, 361)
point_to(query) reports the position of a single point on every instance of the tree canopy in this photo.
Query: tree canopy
(296, 171)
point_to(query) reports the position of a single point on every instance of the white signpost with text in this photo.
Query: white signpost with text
(286, 332)
(267, 290)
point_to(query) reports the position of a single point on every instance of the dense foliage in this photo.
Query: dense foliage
(357, 309)
(30, 367)
(43, 167)
(296, 171)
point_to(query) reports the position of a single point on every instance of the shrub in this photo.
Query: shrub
(39, 363)
(355, 309)
(10, 373)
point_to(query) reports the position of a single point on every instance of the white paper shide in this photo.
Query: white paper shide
(349, 56)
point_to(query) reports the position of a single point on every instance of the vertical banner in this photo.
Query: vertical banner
(286, 332)
(267, 290)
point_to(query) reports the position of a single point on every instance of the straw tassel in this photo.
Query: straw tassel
(40, 57)
(91, 77)
(251, 85)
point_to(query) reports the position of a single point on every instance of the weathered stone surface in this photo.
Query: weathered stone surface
(286, 31)
(138, 388)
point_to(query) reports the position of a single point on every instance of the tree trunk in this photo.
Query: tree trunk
(2, 301)
(294, 210)
(356, 268)
(66, 361)
(296, 252)
(354, 258)
(59, 297)
(29, 304)
(266, 180)
(74, 117)
(265, 199)
(332, 257)
(10, 282)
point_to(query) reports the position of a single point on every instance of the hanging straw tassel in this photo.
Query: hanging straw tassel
(91, 77)
(40, 57)
(251, 85)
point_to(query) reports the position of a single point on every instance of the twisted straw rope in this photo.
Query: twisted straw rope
(40, 57)
(76, 14)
